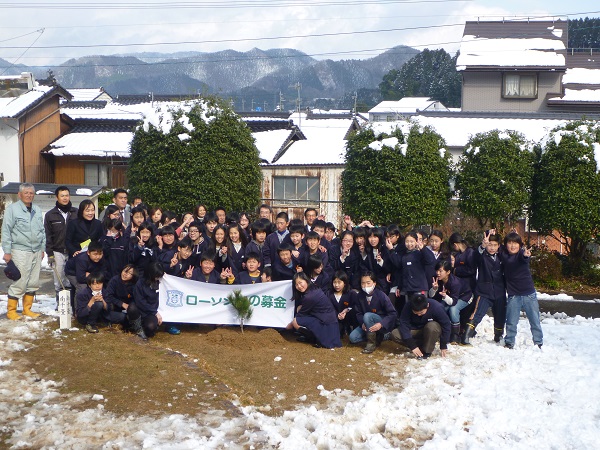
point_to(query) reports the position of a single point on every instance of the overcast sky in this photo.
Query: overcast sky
(243, 24)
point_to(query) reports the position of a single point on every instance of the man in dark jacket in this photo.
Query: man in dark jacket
(55, 226)
(421, 324)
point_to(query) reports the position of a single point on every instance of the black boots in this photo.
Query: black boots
(454, 332)
(498, 332)
(469, 333)
(136, 327)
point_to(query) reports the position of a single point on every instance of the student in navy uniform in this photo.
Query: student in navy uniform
(257, 244)
(378, 258)
(119, 291)
(252, 273)
(345, 257)
(453, 293)
(143, 313)
(298, 249)
(138, 217)
(283, 267)
(313, 247)
(83, 229)
(315, 269)
(412, 267)
(330, 234)
(421, 324)
(166, 239)
(343, 300)
(179, 261)
(210, 223)
(207, 273)
(465, 267)
(145, 250)
(275, 239)
(115, 247)
(220, 248)
(244, 221)
(433, 253)
(520, 289)
(236, 247)
(91, 261)
(200, 242)
(316, 318)
(319, 227)
(491, 289)
(90, 304)
(394, 243)
(374, 312)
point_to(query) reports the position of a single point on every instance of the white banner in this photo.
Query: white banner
(188, 301)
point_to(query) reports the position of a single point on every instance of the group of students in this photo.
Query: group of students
(369, 282)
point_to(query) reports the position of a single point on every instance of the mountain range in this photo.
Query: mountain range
(257, 74)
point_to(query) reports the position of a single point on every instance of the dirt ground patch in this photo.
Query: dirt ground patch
(205, 368)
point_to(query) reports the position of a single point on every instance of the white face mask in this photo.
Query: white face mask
(368, 290)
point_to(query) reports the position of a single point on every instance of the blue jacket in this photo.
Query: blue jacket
(516, 273)
(145, 297)
(118, 292)
(410, 321)
(490, 276)
(23, 230)
(380, 305)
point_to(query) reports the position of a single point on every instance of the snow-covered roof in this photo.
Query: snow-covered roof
(510, 52)
(581, 76)
(404, 105)
(579, 95)
(93, 144)
(270, 142)
(457, 131)
(325, 142)
(113, 111)
(12, 107)
(88, 95)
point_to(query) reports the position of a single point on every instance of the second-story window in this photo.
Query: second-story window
(519, 86)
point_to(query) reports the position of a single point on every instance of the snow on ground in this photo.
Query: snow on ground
(485, 396)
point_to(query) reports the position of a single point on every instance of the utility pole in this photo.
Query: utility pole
(298, 87)
(281, 99)
(252, 109)
(243, 104)
(355, 102)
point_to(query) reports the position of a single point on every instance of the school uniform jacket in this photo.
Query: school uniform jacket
(516, 273)
(198, 248)
(255, 247)
(82, 300)
(315, 304)
(465, 265)
(410, 321)
(115, 252)
(413, 272)
(80, 264)
(351, 265)
(145, 297)
(244, 278)
(118, 292)
(381, 305)
(490, 275)
(282, 272)
(80, 230)
(272, 244)
(347, 300)
(457, 288)
(141, 257)
(380, 271)
(214, 277)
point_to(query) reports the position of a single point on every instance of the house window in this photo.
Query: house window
(96, 175)
(520, 86)
(296, 188)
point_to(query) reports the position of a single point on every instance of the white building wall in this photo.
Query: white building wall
(9, 151)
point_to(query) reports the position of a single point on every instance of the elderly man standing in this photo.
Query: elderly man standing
(23, 242)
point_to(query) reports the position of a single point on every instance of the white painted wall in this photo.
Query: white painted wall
(9, 150)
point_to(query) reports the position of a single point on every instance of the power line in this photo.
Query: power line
(207, 5)
(219, 41)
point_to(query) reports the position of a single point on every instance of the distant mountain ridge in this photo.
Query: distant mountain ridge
(228, 73)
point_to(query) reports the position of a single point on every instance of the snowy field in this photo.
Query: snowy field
(481, 397)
